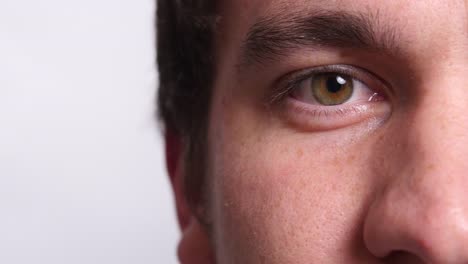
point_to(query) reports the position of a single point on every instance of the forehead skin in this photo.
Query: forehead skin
(284, 194)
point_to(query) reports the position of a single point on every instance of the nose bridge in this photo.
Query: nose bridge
(422, 208)
(437, 124)
(436, 141)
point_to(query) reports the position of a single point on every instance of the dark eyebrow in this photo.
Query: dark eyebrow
(274, 36)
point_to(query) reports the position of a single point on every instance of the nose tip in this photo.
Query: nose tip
(433, 231)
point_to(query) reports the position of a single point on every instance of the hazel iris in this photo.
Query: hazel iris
(332, 89)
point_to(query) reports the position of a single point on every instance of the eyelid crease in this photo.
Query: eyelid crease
(285, 85)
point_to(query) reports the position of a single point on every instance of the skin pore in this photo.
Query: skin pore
(376, 174)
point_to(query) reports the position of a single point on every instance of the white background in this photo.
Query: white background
(82, 177)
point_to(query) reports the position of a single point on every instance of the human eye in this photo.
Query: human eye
(335, 96)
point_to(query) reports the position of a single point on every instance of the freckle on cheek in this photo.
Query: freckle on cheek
(300, 153)
(431, 166)
(381, 137)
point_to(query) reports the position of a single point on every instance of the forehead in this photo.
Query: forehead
(421, 26)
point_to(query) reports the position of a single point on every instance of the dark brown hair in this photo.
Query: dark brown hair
(185, 36)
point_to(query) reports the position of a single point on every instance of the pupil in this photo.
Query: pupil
(333, 84)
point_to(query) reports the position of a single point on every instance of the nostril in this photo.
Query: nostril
(401, 256)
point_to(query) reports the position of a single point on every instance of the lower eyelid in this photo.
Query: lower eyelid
(356, 107)
(313, 118)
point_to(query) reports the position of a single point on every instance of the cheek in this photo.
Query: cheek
(284, 197)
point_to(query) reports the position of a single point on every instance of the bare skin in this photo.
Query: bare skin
(381, 177)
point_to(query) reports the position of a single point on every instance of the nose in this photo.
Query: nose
(421, 209)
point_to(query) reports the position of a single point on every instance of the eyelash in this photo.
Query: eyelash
(327, 117)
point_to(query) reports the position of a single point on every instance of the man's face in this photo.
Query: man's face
(339, 132)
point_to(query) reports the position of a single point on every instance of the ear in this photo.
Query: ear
(194, 246)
